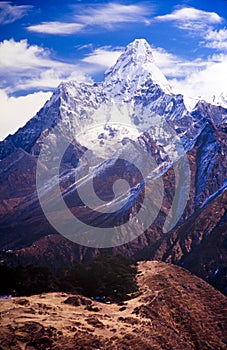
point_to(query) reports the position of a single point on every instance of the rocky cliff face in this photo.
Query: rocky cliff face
(103, 132)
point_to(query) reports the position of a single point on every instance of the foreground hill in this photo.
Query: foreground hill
(172, 310)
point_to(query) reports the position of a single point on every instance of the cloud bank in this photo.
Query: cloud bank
(103, 15)
(16, 111)
(24, 66)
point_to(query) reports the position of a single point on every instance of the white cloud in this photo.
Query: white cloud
(217, 35)
(24, 66)
(19, 55)
(204, 81)
(199, 22)
(10, 13)
(191, 14)
(192, 19)
(16, 111)
(56, 28)
(198, 78)
(175, 66)
(216, 39)
(108, 14)
(86, 46)
(103, 15)
(168, 63)
(103, 57)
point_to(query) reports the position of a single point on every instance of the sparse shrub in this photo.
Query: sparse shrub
(109, 278)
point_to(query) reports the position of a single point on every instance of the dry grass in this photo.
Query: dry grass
(174, 310)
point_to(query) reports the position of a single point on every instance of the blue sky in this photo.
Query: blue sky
(44, 43)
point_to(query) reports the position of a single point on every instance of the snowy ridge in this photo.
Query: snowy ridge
(125, 105)
(134, 91)
(218, 100)
(215, 100)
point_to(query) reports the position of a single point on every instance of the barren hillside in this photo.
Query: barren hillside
(172, 310)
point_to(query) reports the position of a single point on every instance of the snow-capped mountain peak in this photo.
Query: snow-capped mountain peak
(136, 66)
(138, 51)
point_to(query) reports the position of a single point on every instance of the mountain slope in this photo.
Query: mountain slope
(130, 127)
(173, 310)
